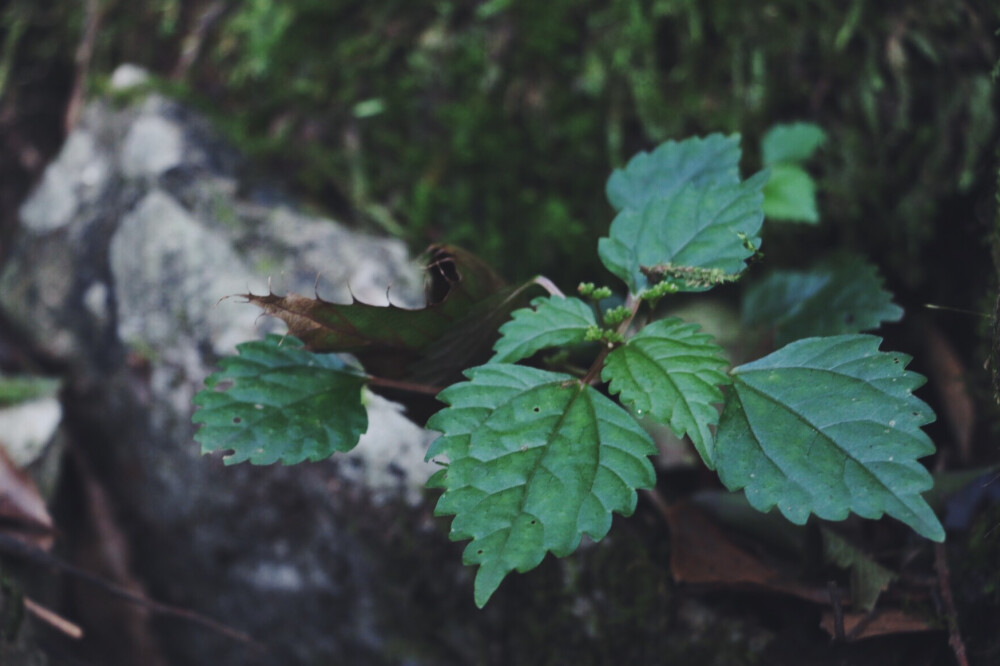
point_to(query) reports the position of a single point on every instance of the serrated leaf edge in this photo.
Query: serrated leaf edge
(703, 441)
(923, 519)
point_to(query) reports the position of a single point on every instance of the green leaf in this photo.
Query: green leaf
(869, 579)
(829, 426)
(702, 227)
(671, 372)
(275, 401)
(790, 195)
(843, 295)
(713, 160)
(795, 142)
(551, 321)
(537, 461)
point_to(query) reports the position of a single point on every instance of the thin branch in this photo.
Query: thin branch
(53, 619)
(84, 54)
(951, 613)
(403, 386)
(192, 43)
(838, 611)
(548, 285)
(16, 548)
(593, 374)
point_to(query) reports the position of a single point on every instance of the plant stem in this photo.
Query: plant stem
(594, 373)
(403, 386)
(548, 285)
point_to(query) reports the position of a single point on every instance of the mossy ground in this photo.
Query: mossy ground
(611, 602)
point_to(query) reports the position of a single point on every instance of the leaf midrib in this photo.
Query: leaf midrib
(737, 383)
(256, 416)
(581, 390)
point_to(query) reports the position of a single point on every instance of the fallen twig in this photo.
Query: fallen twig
(13, 547)
(838, 612)
(53, 619)
(951, 613)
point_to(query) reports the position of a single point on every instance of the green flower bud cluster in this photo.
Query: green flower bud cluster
(588, 290)
(603, 335)
(692, 276)
(615, 316)
(747, 243)
(658, 291)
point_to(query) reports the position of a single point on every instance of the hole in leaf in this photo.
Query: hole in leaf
(533, 522)
(537, 409)
(479, 552)
(237, 419)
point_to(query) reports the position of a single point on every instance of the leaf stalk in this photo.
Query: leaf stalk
(594, 373)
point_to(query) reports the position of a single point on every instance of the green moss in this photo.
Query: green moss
(494, 125)
(496, 128)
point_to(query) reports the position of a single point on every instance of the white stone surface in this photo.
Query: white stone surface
(391, 453)
(27, 428)
(170, 272)
(153, 145)
(128, 76)
(74, 178)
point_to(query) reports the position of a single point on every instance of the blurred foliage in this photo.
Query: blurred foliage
(22, 389)
(492, 123)
(36, 56)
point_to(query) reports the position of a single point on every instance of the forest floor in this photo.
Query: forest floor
(944, 604)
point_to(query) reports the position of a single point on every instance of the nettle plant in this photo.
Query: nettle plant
(538, 449)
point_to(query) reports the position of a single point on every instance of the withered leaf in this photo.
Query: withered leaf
(466, 303)
(701, 553)
(23, 514)
(880, 623)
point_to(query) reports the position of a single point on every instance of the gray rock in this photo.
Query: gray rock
(128, 251)
(169, 268)
(152, 146)
(128, 76)
(75, 179)
(28, 427)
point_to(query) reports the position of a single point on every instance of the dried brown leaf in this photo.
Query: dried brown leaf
(23, 514)
(702, 553)
(880, 623)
